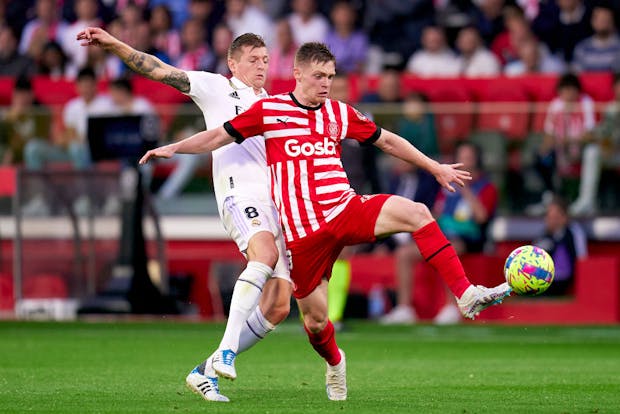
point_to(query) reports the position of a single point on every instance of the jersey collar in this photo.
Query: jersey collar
(309, 108)
(238, 84)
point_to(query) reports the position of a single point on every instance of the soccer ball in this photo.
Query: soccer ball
(529, 270)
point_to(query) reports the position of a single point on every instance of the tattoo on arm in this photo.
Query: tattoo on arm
(177, 79)
(146, 64)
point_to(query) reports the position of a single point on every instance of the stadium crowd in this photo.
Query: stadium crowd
(424, 39)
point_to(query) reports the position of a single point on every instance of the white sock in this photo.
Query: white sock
(245, 297)
(254, 329)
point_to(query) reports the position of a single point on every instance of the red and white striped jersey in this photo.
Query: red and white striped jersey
(308, 183)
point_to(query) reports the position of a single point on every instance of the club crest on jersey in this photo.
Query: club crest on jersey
(234, 94)
(334, 130)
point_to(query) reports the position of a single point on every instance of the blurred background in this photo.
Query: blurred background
(525, 93)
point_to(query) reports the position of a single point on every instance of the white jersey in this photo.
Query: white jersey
(237, 169)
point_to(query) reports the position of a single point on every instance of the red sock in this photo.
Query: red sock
(324, 343)
(440, 254)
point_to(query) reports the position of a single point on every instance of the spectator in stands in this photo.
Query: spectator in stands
(533, 58)
(395, 28)
(86, 11)
(44, 28)
(517, 31)
(389, 94)
(464, 217)
(244, 17)
(282, 55)
(12, 63)
(21, 122)
(562, 24)
(125, 102)
(601, 51)
(210, 13)
(475, 60)
(196, 53)
(603, 151)
(165, 38)
(489, 19)
(179, 9)
(222, 38)
(418, 124)
(435, 59)
(565, 241)
(568, 126)
(307, 24)
(348, 44)
(53, 62)
(71, 144)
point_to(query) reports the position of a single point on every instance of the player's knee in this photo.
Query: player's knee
(315, 323)
(278, 311)
(419, 215)
(266, 253)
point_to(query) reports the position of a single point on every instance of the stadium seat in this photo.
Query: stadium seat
(45, 286)
(504, 107)
(8, 176)
(6, 292)
(6, 90)
(454, 115)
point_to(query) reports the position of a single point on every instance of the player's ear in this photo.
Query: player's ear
(296, 73)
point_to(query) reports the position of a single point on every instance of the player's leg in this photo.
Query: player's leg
(399, 214)
(321, 334)
(273, 308)
(262, 256)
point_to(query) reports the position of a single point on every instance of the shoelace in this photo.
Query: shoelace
(228, 357)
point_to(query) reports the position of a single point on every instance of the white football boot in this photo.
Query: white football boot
(477, 298)
(203, 381)
(336, 380)
(224, 363)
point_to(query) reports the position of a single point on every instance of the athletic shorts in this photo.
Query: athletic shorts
(243, 218)
(312, 258)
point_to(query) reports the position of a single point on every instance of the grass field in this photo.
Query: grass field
(140, 368)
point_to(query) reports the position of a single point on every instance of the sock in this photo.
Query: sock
(245, 297)
(324, 343)
(253, 330)
(439, 253)
(338, 290)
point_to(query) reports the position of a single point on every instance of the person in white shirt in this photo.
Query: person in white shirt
(42, 29)
(243, 17)
(435, 59)
(475, 60)
(306, 23)
(534, 58)
(70, 144)
(242, 189)
(86, 11)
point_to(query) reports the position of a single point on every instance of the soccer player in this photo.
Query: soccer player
(241, 186)
(320, 213)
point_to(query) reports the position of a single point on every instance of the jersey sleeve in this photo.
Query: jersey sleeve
(360, 128)
(247, 124)
(203, 84)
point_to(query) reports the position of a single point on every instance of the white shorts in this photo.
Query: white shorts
(243, 218)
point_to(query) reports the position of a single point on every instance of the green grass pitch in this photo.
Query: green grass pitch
(140, 368)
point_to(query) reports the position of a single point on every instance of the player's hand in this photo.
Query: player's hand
(96, 36)
(161, 152)
(446, 174)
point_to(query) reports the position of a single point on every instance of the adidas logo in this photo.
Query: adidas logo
(234, 94)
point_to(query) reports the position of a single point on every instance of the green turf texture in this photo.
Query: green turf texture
(140, 368)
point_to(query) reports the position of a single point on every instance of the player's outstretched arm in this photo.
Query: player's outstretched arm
(205, 141)
(445, 174)
(140, 62)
